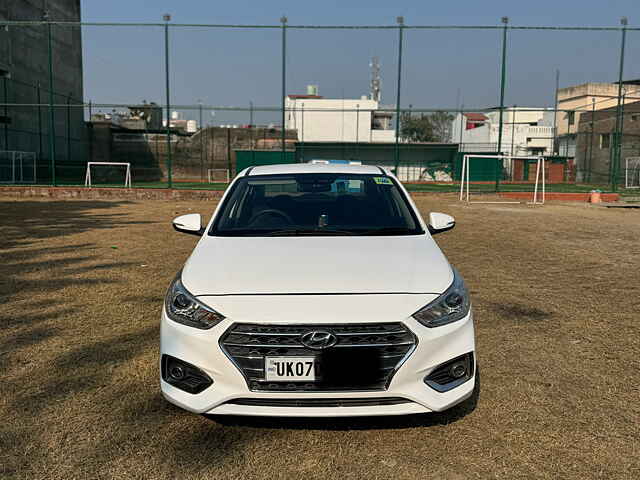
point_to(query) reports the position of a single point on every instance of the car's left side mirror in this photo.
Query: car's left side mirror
(440, 222)
(191, 224)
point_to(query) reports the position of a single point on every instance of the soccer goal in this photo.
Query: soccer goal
(218, 175)
(517, 176)
(127, 172)
(632, 172)
(17, 167)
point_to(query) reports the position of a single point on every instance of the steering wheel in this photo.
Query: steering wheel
(270, 211)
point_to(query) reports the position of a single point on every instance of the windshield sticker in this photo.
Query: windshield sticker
(383, 180)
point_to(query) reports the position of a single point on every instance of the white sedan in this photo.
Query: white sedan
(317, 290)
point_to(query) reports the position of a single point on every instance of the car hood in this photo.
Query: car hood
(316, 265)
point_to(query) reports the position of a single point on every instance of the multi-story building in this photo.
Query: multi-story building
(24, 79)
(525, 131)
(319, 119)
(574, 101)
(595, 137)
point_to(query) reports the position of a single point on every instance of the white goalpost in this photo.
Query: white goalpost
(632, 172)
(17, 167)
(539, 188)
(218, 175)
(127, 176)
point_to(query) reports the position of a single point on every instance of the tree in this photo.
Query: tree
(414, 128)
(433, 127)
(441, 125)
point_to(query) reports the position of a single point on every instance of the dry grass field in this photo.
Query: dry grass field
(556, 290)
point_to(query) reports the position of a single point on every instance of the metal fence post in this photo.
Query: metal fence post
(283, 21)
(302, 133)
(593, 119)
(617, 145)
(166, 17)
(39, 121)
(52, 126)
(400, 21)
(69, 128)
(554, 146)
(252, 133)
(229, 152)
(6, 115)
(503, 74)
(201, 142)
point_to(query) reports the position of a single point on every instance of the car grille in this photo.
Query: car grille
(365, 357)
(319, 402)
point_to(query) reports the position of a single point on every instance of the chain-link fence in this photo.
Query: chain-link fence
(71, 100)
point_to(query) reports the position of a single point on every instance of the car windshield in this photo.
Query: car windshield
(315, 204)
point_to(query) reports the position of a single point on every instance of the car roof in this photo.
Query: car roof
(292, 168)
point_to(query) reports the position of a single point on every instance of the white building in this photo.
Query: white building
(525, 131)
(319, 119)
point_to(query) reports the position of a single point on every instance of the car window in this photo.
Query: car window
(316, 204)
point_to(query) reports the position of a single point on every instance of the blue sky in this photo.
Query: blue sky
(234, 67)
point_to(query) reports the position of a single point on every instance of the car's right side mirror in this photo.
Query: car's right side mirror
(440, 222)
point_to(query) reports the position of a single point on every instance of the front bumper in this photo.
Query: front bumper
(230, 394)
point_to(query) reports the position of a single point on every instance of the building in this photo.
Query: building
(24, 78)
(577, 100)
(595, 134)
(319, 119)
(525, 131)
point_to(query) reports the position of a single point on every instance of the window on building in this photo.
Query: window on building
(635, 117)
(571, 118)
(605, 140)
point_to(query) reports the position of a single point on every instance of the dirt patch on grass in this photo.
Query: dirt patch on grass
(557, 299)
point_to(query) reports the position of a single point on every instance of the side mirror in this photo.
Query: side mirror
(440, 222)
(191, 224)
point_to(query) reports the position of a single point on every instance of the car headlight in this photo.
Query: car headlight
(182, 307)
(449, 307)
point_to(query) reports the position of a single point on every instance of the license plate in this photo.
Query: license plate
(289, 369)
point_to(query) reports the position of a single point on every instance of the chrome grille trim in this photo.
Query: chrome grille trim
(389, 344)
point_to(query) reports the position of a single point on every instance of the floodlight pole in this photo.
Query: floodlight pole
(167, 18)
(400, 21)
(613, 164)
(283, 21)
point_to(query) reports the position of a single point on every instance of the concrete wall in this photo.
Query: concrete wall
(334, 120)
(24, 55)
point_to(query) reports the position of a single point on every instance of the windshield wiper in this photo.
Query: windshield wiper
(386, 231)
(292, 232)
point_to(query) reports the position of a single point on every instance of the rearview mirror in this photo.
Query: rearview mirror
(440, 222)
(191, 224)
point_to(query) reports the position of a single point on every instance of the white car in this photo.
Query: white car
(317, 290)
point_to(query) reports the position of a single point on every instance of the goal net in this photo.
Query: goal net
(108, 174)
(218, 175)
(632, 172)
(17, 167)
(480, 174)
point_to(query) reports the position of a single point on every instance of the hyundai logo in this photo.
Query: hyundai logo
(318, 340)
